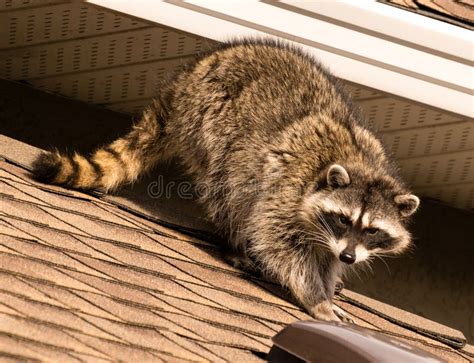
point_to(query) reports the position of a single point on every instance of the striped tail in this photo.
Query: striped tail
(118, 163)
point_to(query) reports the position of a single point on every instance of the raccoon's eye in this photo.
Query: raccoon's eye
(344, 220)
(372, 231)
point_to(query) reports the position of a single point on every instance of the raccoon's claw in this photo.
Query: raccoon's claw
(323, 311)
(341, 314)
(98, 192)
(339, 286)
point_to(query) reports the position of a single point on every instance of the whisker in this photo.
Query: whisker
(368, 263)
(318, 231)
(385, 263)
(354, 270)
(326, 232)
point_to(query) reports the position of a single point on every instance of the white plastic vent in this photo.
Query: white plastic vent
(98, 56)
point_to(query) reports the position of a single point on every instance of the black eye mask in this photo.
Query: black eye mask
(339, 224)
(381, 239)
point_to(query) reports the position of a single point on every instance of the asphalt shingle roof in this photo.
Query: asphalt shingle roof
(457, 12)
(85, 279)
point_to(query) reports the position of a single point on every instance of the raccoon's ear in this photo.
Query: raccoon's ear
(337, 176)
(407, 204)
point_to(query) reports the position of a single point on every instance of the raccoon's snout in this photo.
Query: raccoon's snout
(347, 257)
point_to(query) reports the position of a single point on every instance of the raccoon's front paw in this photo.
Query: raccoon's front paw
(323, 311)
(341, 314)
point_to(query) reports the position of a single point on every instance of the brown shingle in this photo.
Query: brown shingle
(7, 173)
(29, 268)
(57, 238)
(18, 286)
(458, 12)
(421, 325)
(77, 301)
(447, 354)
(468, 349)
(21, 348)
(194, 347)
(50, 315)
(236, 302)
(22, 175)
(119, 351)
(153, 284)
(463, 10)
(121, 291)
(47, 254)
(228, 282)
(215, 333)
(24, 210)
(219, 316)
(10, 188)
(28, 192)
(42, 334)
(9, 230)
(123, 310)
(381, 324)
(146, 337)
(232, 354)
(203, 253)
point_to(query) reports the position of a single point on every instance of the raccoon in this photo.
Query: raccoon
(296, 183)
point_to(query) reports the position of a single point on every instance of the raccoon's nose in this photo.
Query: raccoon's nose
(347, 257)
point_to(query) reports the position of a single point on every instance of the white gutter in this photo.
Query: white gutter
(362, 41)
(389, 21)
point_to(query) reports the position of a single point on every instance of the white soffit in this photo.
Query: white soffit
(362, 41)
(116, 60)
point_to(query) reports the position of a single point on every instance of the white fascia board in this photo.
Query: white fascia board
(402, 55)
(393, 22)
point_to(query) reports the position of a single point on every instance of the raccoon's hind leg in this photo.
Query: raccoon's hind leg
(236, 254)
(120, 162)
(241, 261)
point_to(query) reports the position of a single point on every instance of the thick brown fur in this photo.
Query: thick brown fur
(260, 123)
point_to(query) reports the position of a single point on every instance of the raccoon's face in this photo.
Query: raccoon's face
(356, 217)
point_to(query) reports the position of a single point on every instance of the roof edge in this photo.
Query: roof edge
(410, 56)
